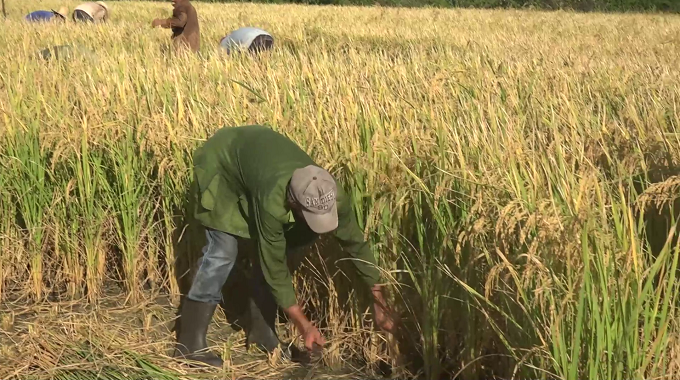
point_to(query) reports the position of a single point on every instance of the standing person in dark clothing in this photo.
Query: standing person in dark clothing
(184, 25)
(253, 183)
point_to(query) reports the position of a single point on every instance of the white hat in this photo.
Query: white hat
(242, 38)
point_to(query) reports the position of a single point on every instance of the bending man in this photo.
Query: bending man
(93, 11)
(254, 183)
(45, 16)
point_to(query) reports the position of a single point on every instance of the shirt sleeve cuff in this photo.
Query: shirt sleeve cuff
(286, 299)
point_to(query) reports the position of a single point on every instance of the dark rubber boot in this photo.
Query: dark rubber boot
(193, 327)
(262, 313)
(260, 331)
(262, 309)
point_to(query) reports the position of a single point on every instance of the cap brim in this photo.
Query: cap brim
(322, 223)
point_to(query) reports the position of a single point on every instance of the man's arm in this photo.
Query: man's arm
(178, 19)
(272, 253)
(352, 240)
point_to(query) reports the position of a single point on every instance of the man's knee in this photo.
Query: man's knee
(214, 266)
(224, 241)
(220, 251)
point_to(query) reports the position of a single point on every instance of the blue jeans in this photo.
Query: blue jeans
(214, 267)
(219, 257)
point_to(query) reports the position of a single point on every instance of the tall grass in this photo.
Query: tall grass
(514, 171)
(33, 195)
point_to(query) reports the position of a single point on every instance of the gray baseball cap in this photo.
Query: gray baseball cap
(315, 190)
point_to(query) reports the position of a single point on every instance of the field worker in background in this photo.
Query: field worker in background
(51, 15)
(91, 11)
(249, 39)
(253, 183)
(184, 25)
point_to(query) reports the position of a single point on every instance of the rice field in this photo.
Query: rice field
(515, 171)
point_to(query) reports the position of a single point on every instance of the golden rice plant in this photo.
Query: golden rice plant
(515, 172)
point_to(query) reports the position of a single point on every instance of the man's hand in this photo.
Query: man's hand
(310, 334)
(382, 316)
(156, 22)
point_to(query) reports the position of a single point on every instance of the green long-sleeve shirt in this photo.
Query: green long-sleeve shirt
(242, 174)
